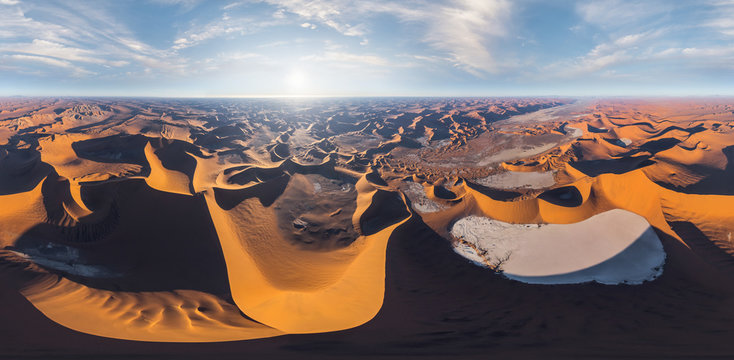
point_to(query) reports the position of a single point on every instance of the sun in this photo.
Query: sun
(297, 81)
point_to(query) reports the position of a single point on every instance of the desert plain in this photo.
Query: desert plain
(391, 227)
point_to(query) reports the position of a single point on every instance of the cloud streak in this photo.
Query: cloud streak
(76, 71)
(461, 29)
(76, 38)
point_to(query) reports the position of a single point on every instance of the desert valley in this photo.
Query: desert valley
(331, 227)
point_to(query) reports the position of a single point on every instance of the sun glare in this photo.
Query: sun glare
(297, 81)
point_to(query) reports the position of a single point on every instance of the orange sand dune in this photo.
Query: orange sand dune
(301, 291)
(178, 316)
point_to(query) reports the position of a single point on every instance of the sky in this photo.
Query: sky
(193, 48)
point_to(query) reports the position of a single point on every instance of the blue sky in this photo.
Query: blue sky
(366, 48)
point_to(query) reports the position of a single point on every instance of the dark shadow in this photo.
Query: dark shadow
(611, 166)
(443, 193)
(494, 194)
(692, 130)
(316, 153)
(359, 163)
(325, 145)
(659, 145)
(616, 142)
(647, 124)
(375, 178)
(594, 129)
(230, 138)
(113, 149)
(279, 152)
(704, 247)
(161, 242)
(21, 170)
(387, 208)
(716, 181)
(568, 196)
(62, 227)
(253, 173)
(266, 192)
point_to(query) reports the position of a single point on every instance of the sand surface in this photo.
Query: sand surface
(323, 227)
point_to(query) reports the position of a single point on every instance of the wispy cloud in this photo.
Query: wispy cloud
(465, 29)
(627, 33)
(616, 51)
(619, 13)
(76, 71)
(75, 37)
(218, 28)
(224, 26)
(712, 57)
(332, 13)
(462, 29)
(59, 51)
(722, 17)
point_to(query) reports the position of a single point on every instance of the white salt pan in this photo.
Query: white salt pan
(519, 179)
(613, 247)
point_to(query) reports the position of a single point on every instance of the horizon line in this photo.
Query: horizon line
(286, 96)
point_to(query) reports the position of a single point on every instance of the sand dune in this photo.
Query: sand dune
(216, 220)
(294, 289)
(165, 179)
(180, 315)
